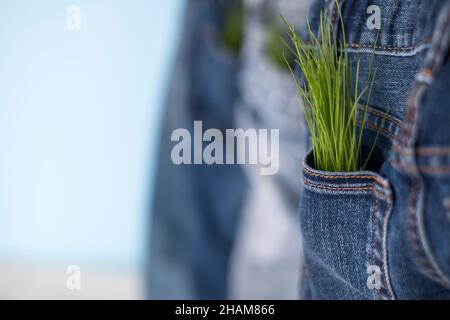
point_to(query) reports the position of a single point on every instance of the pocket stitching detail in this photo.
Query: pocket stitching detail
(357, 176)
(379, 234)
(373, 240)
(416, 240)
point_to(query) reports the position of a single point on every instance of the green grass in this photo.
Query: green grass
(275, 46)
(331, 97)
(233, 26)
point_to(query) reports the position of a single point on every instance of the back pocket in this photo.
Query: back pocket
(344, 218)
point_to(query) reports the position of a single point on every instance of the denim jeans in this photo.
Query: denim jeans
(197, 207)
(384, 233)
(267, 256)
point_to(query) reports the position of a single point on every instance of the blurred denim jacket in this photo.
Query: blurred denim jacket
(196, 207)
(384, 233)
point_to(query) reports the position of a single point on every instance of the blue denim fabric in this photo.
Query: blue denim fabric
(390, 224)
(266, 263)
(420, 160)
(220, 188)
(169, 275)
(197, 207)
(269, 98)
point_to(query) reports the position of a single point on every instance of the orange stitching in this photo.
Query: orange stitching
(335, 176)
(308, 182)
(372, 189)
(424, 151)
(385, 215)
(406, 136)
(422, 168)
(321, 175)
(375, 211)
(417, 92)
(375, 232)
(361, 45)
(433, 150)
(381, 130)
(388, 117)
(412, 226)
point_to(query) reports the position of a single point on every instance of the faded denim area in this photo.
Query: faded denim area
(399, 46)
(197, 208)
(383, 233)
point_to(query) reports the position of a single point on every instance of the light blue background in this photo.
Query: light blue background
(80, 115)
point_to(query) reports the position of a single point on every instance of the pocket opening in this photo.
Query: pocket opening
(343, 218)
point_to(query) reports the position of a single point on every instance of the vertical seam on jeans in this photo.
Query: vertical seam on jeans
(412, 227)
(373, 241)
(383, 265)
(385, 221)
(408, 136)
(384, 48)
(380, 234)
(417, 242)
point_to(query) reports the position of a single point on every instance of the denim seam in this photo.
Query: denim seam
(371, 189)
(405, 146)
(415, 169)
(415, 240)
(433, 151)
(420, 45)
(385, 223)
(373, 241)
(387, 116)
(341, 188)
(426, 151)
(380, 239)
(379, 227)
(380, 130)
(380, 119)
(358, 176)
(416, 48)
(320, 186)
(416, 237)
(344, 188)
